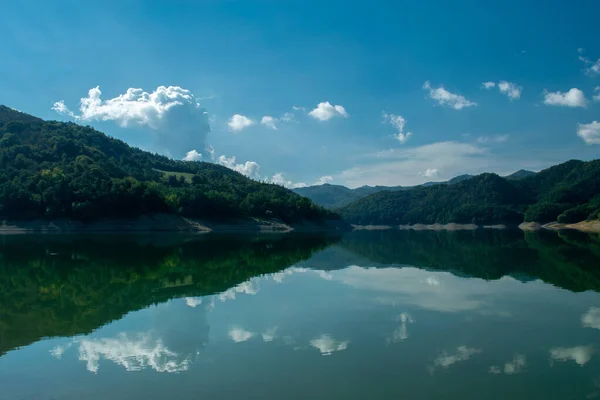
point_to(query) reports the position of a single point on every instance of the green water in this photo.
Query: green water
(367, 315)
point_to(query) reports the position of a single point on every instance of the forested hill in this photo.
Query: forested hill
(569, 192)
(335, 196)
(50, 169)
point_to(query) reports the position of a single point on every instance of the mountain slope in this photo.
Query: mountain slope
(335, 196)
(484, 198)
(569, 192)
(520, 174)
(50, 169)
(329, 196)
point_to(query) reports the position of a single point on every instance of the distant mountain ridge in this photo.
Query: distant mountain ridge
(567, 193)
(335, 196)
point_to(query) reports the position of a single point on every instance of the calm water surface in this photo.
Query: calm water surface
(370, 315)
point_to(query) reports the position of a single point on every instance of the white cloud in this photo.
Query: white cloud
(325, 111)
(270, 334)
(403, 137)
(432, 280)
(597, 93)
(239, 335)
(431, 172)
(192, 155)
(591, 319)
(288, 117)
(593, 67)
(401, 333)
(172, 113)
(249, 287)
(134, 353)
(239, 122)
(298, 108)
(61, 108)
(436, 291)
(446, 98)
(250, 169)
(492, 139)
(515, 366)
(580, 354)
(328, 345)
(269, 122)
(211, 151)
(512, 90)
(58, 351)
(404, 166)
(398, 122)
(279, 179)
(193, 301)
(573, 98)
(590, 133)
(494, 369)
(324, 179)
(463, 353)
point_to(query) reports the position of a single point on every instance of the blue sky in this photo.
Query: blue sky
(377, 60)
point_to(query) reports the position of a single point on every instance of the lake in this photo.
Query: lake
(367, 315)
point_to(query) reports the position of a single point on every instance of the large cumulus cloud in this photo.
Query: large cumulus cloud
(172, 113)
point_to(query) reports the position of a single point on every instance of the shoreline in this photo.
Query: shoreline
(165, 223)
(583, 226)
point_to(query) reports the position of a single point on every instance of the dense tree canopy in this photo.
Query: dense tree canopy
(63, 285)
(569, 192)
(50, 169)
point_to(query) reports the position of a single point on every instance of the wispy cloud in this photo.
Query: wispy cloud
(515, 366)
(492, 139)
(431, 172)
(446, 98)
(404, 166)
(592, 67)
(511, 90)
(462, 353)
(398, 122)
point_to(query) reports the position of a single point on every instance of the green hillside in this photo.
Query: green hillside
(63, 285)
(335, 196)
(50, 169)
(569, 192)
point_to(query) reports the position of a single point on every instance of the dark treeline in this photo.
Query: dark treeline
(63, 285)
(568, 259)
(569, 192)
(50, 169)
